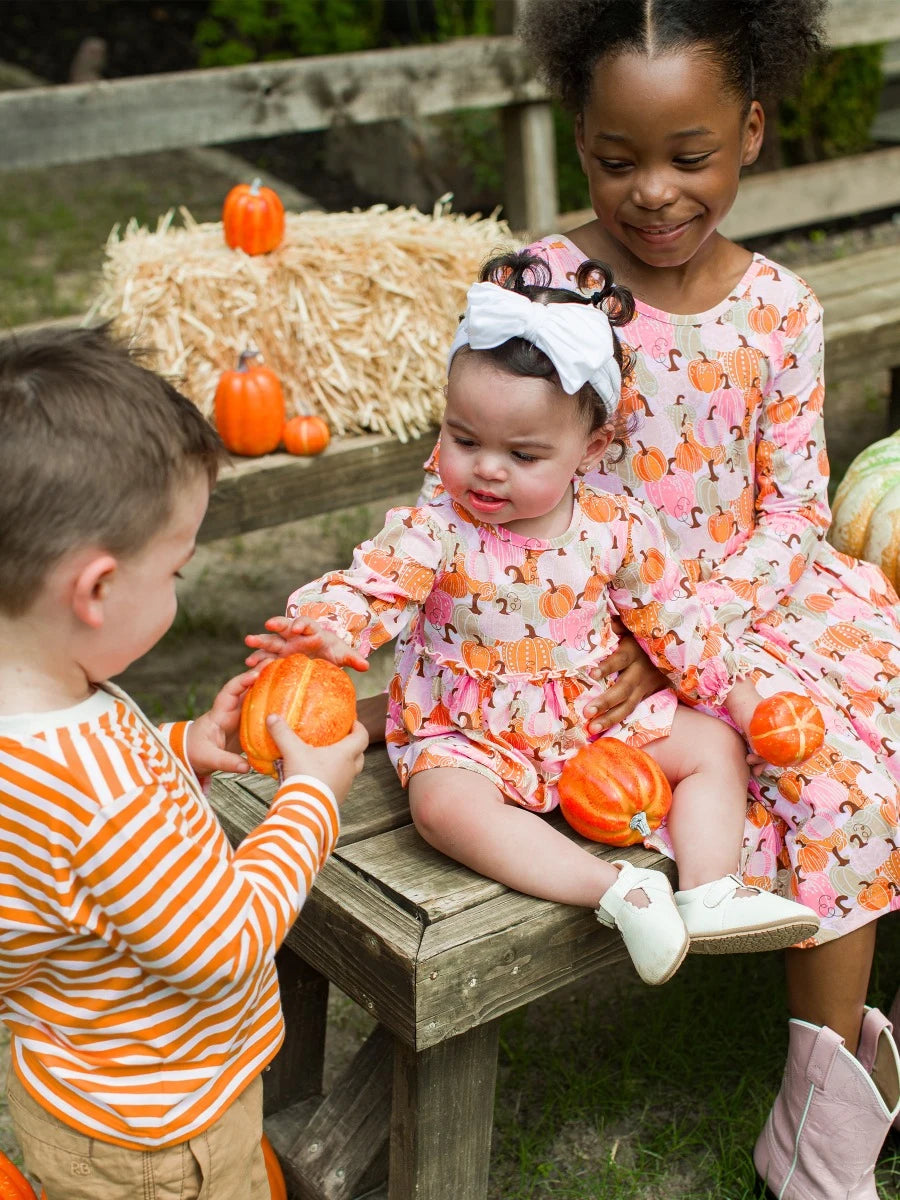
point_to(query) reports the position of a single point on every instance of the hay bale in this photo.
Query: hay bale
(354, 311)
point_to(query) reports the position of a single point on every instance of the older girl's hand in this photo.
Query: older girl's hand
(637, 679)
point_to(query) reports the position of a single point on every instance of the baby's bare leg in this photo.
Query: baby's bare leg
(464, 815)
(705, 762)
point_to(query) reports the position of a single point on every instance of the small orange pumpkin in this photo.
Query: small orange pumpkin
(249, 407)
(306, 435)
(786, 729)
(613, 793)
(253, 218)
(315, 697)
(13, 1184)
(277, 1186)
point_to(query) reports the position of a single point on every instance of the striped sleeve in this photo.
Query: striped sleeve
(135, 865)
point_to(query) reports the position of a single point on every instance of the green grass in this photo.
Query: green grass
(54, 224)
(634, 1093)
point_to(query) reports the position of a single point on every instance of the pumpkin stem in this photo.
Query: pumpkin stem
(255, 186)
(246, 355)
(640, 823)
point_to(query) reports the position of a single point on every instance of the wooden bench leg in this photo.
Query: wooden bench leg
(442, 1116)
(342, 1151)
(295, 1073)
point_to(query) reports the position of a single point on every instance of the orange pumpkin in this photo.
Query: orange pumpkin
(315, 697)
(613, 793)
(557, 601)
(306, 435)
(277, 1186)
(765, 318)
(704, 374)
(13, 1184)
(650, 464)
(253, 218)
(786, 729)
(249, 408)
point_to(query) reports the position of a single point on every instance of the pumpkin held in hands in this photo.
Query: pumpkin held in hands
(249, 407)
(786, 729)
(613, 793)
(253, 218)
(315, 697)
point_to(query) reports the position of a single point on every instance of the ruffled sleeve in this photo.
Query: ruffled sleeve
(391, 576)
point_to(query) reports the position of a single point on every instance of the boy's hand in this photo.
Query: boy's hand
(301, 635)
(337, 765)
(212, 740)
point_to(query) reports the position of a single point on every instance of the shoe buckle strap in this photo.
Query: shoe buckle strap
(825, 1050)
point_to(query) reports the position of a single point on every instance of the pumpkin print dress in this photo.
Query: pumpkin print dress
(501, 632)
(729, 449)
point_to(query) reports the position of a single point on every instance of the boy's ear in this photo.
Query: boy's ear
(597, 446)
(91, 588)
(754, 130)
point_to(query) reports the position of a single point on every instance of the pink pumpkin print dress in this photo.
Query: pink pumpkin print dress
(501, 633)
(729, 449)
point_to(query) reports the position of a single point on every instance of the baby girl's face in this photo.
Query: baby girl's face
(510, 447)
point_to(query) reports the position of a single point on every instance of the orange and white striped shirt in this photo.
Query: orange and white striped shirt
(137, 948)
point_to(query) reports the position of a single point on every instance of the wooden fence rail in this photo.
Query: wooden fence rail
(79, 122)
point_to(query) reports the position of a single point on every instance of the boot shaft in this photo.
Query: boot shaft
(830, 1118)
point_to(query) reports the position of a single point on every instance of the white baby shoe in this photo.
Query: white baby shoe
(654, 936)
(722, 918)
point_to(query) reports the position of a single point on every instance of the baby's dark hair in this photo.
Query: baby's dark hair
(93, 447)
(530, 276)
(761, 46)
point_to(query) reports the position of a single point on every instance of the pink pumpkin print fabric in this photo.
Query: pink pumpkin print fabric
(501, 633)
(729, 449)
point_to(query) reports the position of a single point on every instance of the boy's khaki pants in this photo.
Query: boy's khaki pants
(224, 1162)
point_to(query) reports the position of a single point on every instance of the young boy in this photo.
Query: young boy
(136, 949)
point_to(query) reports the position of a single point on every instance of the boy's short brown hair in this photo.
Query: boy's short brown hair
(92, 448)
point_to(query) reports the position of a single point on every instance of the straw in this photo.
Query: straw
(354, 311)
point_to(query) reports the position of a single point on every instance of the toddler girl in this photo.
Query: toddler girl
(506, 582)
(728, 393)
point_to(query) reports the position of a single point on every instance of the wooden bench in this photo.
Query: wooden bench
(436, 954)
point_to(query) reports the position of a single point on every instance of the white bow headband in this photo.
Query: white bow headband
(577, 338)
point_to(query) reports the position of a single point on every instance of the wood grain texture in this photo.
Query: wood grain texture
(259, 492)
(79, 122)
(442, 1116)
(335, 1151)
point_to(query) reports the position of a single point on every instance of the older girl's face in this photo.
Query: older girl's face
(510, 447)
(662, 142)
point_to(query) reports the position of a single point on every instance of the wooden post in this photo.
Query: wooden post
(529, 151)
(442, 1117)
(296, 1071)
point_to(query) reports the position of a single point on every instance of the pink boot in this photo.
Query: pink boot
(832, 1114)
(894, 1018)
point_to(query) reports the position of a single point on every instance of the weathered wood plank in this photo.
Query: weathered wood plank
(418, 878)
(257, 493)
(861, 22)
(487, 961)
(376, 802)
(442, 1117)
(296, 1072)
(329, 1158)
(357, 937)
(78, 122)
(804, 195)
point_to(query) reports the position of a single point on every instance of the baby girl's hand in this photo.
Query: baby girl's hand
(212, 741)
(741, 703)
(301, 635)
